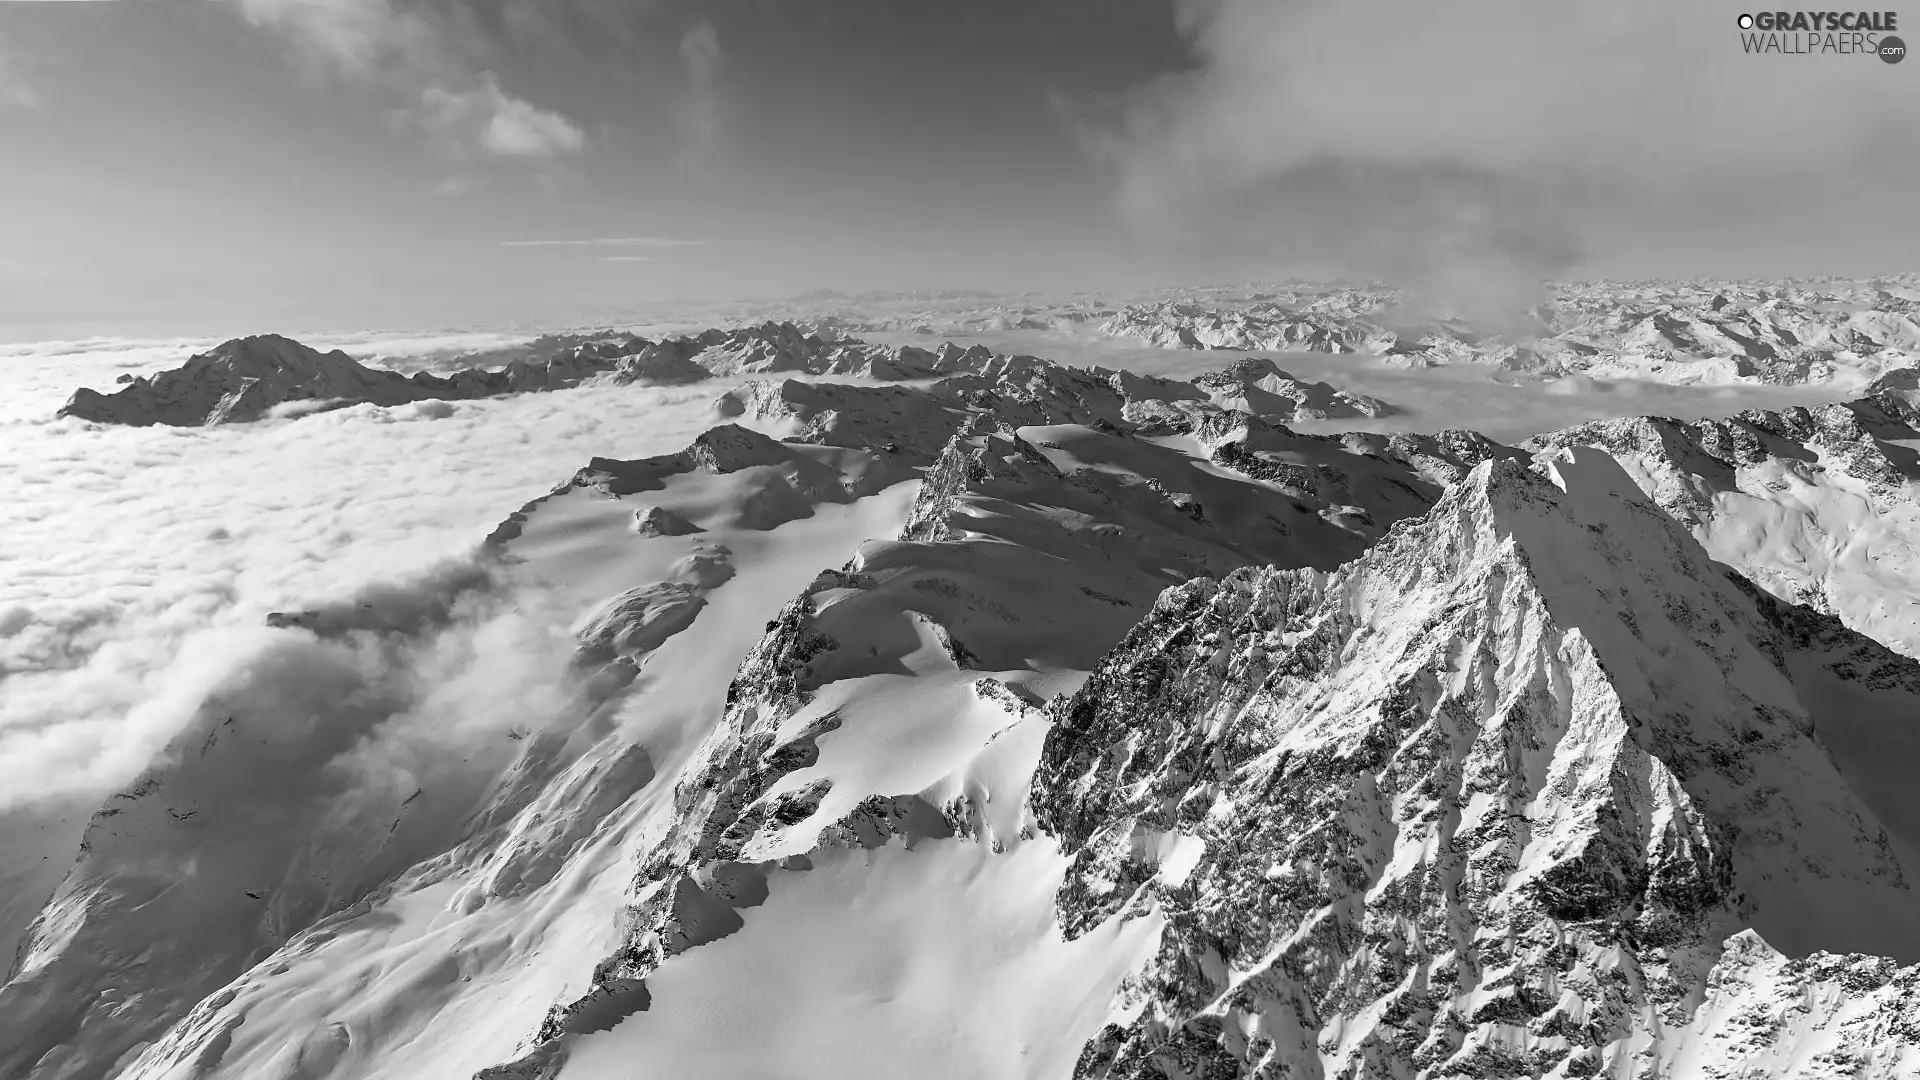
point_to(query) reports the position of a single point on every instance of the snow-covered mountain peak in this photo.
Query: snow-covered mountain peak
(1239, 750)
(1257, 385)
(1683, 333)
(241, 379)
(1487, 800)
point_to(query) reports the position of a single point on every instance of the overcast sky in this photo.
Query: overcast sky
(214, 166)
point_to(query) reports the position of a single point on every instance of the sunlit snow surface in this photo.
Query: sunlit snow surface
(136, 570)
(139, 562)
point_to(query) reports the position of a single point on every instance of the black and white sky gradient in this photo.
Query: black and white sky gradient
(199, 165)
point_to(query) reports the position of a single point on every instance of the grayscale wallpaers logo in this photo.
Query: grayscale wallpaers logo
(1824, 33)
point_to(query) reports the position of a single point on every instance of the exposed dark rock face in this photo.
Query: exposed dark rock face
(659, 521)
(1089, 549)
(247, 378)
(1426, 756)
(1499, 798)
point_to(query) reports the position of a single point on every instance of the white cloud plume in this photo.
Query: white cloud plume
(410, 46)
(362, 36)
(499, 122)
(1486, 138)
(699, 110)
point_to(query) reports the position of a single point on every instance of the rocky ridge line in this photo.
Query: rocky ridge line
(1428, 816)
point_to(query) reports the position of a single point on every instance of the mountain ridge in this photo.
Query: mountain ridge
(1293, 869)
(1359, 754)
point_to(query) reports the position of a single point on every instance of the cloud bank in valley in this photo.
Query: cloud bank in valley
(1477, 147)
(142, 561)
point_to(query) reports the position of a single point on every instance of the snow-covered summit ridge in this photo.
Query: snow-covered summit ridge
(1421, 757)
(1027, 551)
(1819, 505)
(1508, 795)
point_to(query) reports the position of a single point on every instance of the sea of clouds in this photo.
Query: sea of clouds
(137, 565)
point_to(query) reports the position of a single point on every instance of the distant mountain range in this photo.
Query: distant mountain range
(955, 713)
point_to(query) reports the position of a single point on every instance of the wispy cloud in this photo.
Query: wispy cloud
(699, 112)
(626, 258)
(17, 86)
(414, 48)
(498, 122)
(606, 241)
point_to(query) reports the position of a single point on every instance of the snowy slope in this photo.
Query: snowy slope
(1487, 801)
(1018, 556)
(894, 699)
(1029, 721)
(1818, 505)
(273, 821)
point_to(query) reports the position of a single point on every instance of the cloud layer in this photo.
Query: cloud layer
(141, 562)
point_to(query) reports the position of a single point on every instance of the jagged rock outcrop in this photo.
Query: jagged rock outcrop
(1505, 796)
(1400, 755)
(691, 885)
(1026, 390)
(1008, 557)
(660, 521)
